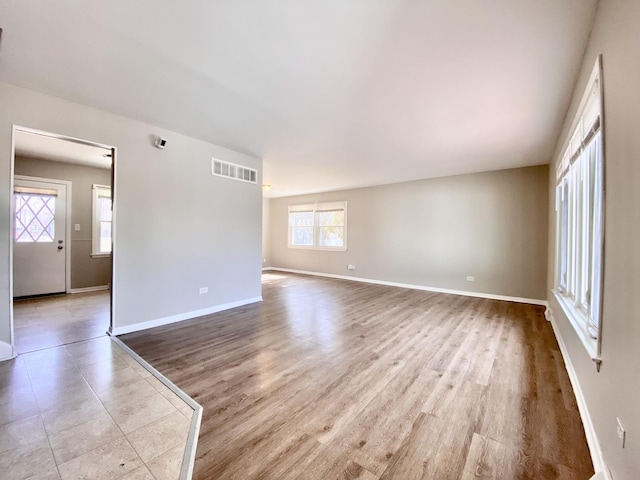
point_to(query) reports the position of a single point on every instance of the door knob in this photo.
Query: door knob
(60, 247)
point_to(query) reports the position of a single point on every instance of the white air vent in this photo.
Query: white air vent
(234, 171)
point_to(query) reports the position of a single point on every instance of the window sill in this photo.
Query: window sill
(578, 322)
(100, 255)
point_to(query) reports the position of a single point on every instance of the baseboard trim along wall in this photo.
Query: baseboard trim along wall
(7, 352)
(97, 288)
(159, 322)
(590, 432)
(491, 296)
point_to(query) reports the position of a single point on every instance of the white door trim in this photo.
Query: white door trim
(67, 227)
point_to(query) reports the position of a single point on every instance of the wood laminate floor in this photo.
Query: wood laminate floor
(334, 379)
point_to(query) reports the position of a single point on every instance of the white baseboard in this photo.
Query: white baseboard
(589, 430)
(7, 352)
(158, 322)
(97, 288)
(491, 296)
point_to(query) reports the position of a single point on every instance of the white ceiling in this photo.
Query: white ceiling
(61, 150)
(330, 94)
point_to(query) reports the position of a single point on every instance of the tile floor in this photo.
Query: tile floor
(88, 410)
(53, 321)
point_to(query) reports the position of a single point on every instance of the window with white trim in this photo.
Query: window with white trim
(101, 221)
(320, 226)
(580, 219)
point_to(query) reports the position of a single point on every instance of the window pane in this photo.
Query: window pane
(333, 218)
(105, 237)
(302, 219)
(331, 236)
(104, 207)
(302, 236)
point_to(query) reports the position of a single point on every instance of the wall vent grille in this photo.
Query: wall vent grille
(234, 171)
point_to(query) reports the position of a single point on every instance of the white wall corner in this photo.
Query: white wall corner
(599, 465)
(7, 352)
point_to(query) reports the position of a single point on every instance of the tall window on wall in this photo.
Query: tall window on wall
(101, 225)
(580, 218)
(321, 226)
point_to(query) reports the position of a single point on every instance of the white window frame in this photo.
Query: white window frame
(317, 208)
(98, 191)
(580, 194)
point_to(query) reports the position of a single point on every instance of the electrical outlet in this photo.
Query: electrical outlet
(621, 433)
(76, 227)
(351, 267)
(471, 278)
(204, 290)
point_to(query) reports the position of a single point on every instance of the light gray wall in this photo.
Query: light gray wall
(615, 390)
(435, 232)
(177, 227)
(85, 270)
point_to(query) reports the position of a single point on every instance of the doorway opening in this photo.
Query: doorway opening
(62, 248)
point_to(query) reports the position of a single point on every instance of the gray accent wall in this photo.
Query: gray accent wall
(86, 271)
(615, 390)
(177, 227)
(435, 233)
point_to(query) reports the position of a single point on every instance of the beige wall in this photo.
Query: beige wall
(266, 241)
(177, 227)
(85, 270)
(435, 232)
(615, 390)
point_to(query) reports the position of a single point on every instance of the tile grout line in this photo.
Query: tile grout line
(44, 428)
(188, 460)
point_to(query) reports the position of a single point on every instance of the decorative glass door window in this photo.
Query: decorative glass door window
(34, 220)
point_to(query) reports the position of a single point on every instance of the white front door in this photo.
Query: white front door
(39, 238)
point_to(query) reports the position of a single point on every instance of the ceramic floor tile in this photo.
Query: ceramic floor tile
(62, 418)
(51, 474)
(168, 465)
(110, 461)
(157, 437)
(16, 393)
(166, 392)
(109, 379)
(54, 382)
(133, 363)
(32, 343)
(27, 461)
(19, 406)
(75, 441)
(93, 351)
(54, 390)
(69, 395)
(21, 432)
(126, 394)
(135, 415)
(13, 373)
(55, 367)
(140, 473)
(45, 357)
(113, 364)
(187, 411)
